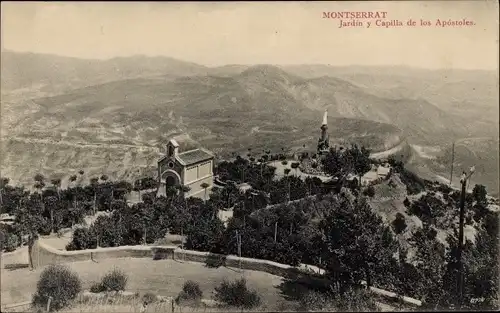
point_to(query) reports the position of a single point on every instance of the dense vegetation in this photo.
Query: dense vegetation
(289, 220)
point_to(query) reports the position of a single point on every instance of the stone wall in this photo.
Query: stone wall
(44, 255)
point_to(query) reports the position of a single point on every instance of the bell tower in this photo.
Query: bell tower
(172, 148)
(323, 141)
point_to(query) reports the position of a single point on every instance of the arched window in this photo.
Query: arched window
(170, 151)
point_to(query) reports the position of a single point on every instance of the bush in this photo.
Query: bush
(351, 300)
(149, 298)
(284, 162)
(8, 241)
(407, 203)
(237, 294)
(399, 224)
(59, 283)
(370, 191)
(96, 287)
(355, 300)
(414, 184)
(83, 238)
(314, 301)
(191, 291)
(115, 280)
(215, 261)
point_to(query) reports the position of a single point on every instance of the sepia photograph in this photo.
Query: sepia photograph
(290, 156)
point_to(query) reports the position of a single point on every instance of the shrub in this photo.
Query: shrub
(96, 287)
(351, 300)
(8, 241)
(370, 191)
(237, 294)
(59, 283)
(83, 238)
(355, 300)
(407, 203)
(284, 162)
(414, 184)
(399, 224)
(215, 261)
(149, 298)
(190, 292)
(115, 280)
(313, 301)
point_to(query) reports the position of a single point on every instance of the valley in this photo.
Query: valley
(114, 116)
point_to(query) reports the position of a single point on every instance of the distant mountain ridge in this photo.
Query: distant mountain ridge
(24, 70)
(143, 101)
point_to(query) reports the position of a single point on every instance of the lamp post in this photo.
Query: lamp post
(463, 182)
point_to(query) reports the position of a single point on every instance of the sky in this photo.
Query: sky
(221, 33)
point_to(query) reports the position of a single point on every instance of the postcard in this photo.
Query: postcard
(249, 156)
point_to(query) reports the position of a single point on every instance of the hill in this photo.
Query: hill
(470, 96)
(142, 101)
(481, 152)
(121, 126)
(46, 72)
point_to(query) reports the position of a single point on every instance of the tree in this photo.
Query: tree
(399, 223)
(361, 160)
(138, 186)
(4, 182)
(295, 166)
(94, 184)
(205, 186)
(80, 172)
(185, 190)
(39, 184)
(359, 243)
(369, 191)
(56, 183)
(52, 203)
(73, 178)
(206, 235)
(429, 265)
(480, 269)
(479, 194)
(171, 192)
(333, 164)
(29, 221)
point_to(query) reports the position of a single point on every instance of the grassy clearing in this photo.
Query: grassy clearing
(162, 277)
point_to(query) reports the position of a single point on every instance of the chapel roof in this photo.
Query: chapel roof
(194, 156)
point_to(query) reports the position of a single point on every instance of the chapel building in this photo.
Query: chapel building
(190, 168)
